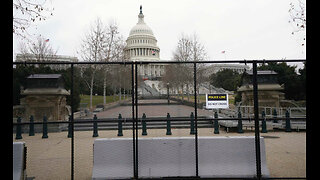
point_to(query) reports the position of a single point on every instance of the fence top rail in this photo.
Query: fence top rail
(166, 62)
(83, 121)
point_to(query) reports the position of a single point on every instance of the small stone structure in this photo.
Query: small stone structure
(269, 91)
(45, 95)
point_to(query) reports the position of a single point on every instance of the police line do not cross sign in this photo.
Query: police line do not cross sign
(217, 101)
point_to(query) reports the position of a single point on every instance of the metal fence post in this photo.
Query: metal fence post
(288, 124)
(72, 124)
(95, 126)
(192, 131)
(256, 120)
(133, 121)
(144, 125)
(264, 123)
(240, 123)
(120, 125)
(18, 129)
(136, 119)
(216, 123)
(196, 116)
(45, 128)
(31, 126)
(168, 125)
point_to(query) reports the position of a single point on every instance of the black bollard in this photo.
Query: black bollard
(18, 129)
(288, 124)
(31, 126)
(69, 128)
(275, 115)
(95, 126)
(120, 125)
(144, 125)
(168, 125)
(264, 123)
(240, 123)
(192, 130)
(45, 128)
(216, 124)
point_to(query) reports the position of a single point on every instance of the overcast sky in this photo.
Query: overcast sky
(244, 29)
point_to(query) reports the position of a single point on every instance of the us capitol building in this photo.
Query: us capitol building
(142, 46)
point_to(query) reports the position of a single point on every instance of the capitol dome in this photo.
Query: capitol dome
(141, 43)
(141, 28)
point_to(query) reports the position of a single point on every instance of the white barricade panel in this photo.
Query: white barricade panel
(18, 148)
(112, 158)
(175, 157)
(166, 157)
(230, 157)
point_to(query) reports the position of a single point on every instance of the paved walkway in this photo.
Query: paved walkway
(153, 110)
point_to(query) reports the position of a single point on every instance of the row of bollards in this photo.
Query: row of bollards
(264, 123)
(31, 128)
(144, 125)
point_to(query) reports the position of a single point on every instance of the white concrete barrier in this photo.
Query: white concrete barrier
(175, 157)
(112, 158)
(19, 171)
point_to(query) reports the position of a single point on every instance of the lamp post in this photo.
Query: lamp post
(168, 93)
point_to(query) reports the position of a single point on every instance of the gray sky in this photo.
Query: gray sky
(245, 29)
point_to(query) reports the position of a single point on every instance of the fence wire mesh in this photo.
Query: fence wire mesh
(156, 121)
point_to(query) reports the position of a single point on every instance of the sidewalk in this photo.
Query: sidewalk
(51, 158)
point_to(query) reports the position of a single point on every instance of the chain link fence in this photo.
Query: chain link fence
(154, 121)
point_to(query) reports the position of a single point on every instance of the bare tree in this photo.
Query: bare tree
(199, 54)
(92, 50)
(26, 12)
(298, 18)
(188, 49)
(183, 52)
(103, 44)
(114, 45)
(40, 50)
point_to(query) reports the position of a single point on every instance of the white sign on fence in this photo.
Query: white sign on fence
(217, 101)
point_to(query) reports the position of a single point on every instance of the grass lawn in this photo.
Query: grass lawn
(97, 99)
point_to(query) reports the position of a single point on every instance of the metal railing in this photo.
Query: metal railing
(247, 111)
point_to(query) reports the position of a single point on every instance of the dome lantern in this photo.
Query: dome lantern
(141, 43)
(141, 16)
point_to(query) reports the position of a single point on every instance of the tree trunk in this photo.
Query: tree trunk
(198, 95)
(104, 90)
(91, 91)
(182, 94)
(188, 94)
(114, 94)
